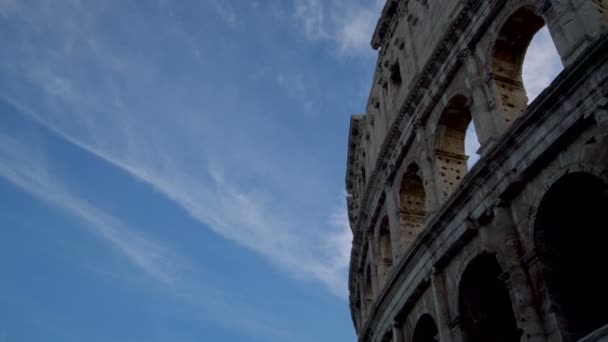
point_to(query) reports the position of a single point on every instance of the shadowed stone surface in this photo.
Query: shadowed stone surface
(512, 249)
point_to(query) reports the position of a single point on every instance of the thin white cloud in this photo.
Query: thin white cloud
(347, 25)
(26, 168)
(311, 15)
(235, 214)
(22, 167)
(355, 32)
(226, 12)
(222, 183)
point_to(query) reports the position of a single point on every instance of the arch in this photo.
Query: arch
(450, 156)
(570, 232)
(508, 55)
(412, 205)
(426, 330)
(484, 303)
(385, 252)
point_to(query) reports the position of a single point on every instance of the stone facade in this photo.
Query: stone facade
(514, 248)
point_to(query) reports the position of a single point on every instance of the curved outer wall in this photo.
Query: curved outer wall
(428, 232)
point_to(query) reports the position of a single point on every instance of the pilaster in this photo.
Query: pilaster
(442, 312)
(517, 280)
(397, 333)
(486, 117)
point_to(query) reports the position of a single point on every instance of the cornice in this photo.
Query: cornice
(391, 13)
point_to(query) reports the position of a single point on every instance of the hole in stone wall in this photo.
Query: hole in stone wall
(541, 64)
(426, 330)
(456, 140)
(485, 304)
(396, 76)
(471, 145)
(412, 204)
(570, 236)
(511, 51)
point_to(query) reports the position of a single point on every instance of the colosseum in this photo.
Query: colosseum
(514, 248)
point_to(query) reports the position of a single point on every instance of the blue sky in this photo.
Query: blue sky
(174, 171)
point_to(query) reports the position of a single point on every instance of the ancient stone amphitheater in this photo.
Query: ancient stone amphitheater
(516, 248)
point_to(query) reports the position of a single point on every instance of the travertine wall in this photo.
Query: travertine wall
(428, 231)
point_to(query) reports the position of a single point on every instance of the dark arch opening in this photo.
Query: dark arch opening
(570, 236)
(508, 58)
(412, 204)
(485, 305)
(451, 144)
(426, 330)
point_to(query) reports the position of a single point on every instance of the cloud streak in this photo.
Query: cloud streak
(25, 169)
(28, 170)
(348, 25)
(115, 102)
(245, 217)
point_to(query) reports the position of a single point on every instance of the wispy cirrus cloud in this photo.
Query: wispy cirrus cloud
(245, 217)
(347, 25)
(231, 186)
(26, 169)
(311, 14)
(226, 12)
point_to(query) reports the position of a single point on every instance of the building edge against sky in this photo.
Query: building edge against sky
(510, 250)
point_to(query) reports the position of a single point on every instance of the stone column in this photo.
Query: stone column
(517, 280)
(488, 121)
(574, 25)
(442, 312)
(364, 305)
(428, 170)
(373, 268)
(391, 203)
(397, 333)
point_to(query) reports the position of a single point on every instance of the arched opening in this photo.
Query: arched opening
(471, 145)
(426, 330)
(485, 305)
(510, 51)
(452, 144)
(385, 257)
(570, 235)
(541, 64)
(412, 205)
